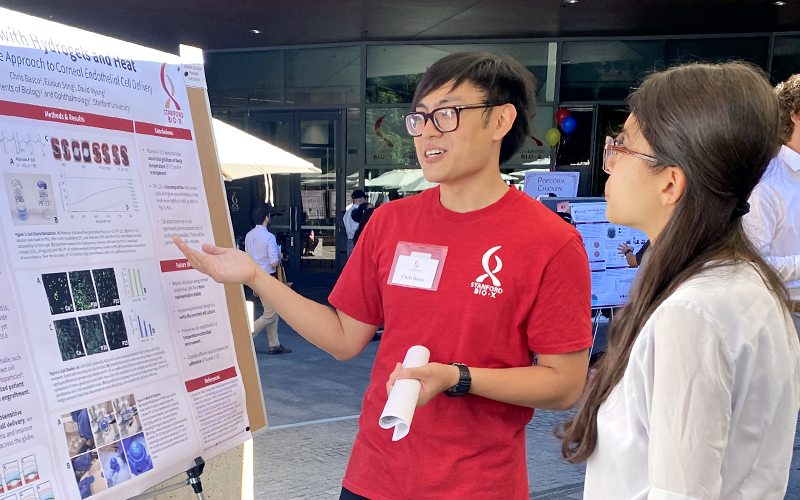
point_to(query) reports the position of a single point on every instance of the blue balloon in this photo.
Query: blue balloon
(568, 125)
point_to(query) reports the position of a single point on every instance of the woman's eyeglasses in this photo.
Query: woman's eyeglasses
(444, 119)
(612, 147)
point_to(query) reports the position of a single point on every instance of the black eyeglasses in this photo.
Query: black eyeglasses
(444, 119)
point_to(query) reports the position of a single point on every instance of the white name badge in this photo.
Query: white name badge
(417, 266)
(417, 272)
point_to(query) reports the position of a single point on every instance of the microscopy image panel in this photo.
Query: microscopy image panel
(92, 333)
(57, 288)
(69, 339)
(116, 333)
(83, 290)
(105, 280)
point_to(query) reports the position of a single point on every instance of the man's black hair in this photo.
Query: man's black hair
(502, 80)
(260, 212)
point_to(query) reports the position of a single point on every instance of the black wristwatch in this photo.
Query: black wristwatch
(464, 381)
(628, 251)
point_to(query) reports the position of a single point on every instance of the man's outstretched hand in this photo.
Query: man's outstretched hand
(224, 265)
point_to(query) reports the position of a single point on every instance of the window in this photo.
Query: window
(323, 76)
(245, 78)
(593, 71)
(753, 49)
(393, 71)
(785, 58)
(303, 77)
(388, 143)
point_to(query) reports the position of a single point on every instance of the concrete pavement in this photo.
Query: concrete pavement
(299, 459)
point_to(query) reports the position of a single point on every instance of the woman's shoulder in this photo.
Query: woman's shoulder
(731, 296)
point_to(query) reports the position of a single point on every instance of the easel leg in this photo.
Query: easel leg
(193, 480)
(594, 335)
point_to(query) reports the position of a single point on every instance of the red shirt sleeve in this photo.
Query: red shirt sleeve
(560, 320)
(358, 291)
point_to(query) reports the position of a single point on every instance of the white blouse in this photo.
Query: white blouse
(708, 404)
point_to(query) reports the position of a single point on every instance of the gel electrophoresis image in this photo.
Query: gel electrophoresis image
(83, 290)
(105, 281)
(69, 339)
(57, 288)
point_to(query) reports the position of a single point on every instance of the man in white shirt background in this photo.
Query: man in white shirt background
(263, 248)
(350, 225)
(774, 219)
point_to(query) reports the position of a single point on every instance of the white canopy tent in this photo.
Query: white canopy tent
(408, 180)
(242, 155)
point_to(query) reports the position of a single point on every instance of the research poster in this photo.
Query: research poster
(117, 365)
(612, 277)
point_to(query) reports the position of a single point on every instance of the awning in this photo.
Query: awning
(242, 155)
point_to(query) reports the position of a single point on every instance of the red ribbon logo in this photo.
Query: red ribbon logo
(170, 91)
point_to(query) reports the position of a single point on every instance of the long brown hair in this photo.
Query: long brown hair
(719, 124)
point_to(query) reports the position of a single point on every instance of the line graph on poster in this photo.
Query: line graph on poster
(15, 143)
(100, 195)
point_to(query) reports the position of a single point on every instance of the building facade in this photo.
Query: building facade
(340, 107)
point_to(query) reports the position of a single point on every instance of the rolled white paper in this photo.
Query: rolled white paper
(402, 402)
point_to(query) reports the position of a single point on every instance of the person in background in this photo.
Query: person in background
(496, 309)
(698, 393)
(310, 238)
(633, 259)
(262, 246)
(365, 209)
(774, 219)
(351, 225)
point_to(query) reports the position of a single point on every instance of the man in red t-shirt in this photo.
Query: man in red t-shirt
(479, 273)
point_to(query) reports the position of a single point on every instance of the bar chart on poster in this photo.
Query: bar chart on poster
(117, 363)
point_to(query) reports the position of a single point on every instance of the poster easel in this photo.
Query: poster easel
(223, 237)
(126, 363)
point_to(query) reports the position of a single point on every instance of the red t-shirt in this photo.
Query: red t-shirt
(468, 447)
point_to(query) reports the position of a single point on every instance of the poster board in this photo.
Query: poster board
(612, 277)
(313, 203)
(119, 364)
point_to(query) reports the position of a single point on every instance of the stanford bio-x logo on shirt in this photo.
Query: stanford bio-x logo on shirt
(486, 289)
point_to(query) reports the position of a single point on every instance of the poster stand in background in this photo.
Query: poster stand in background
(611, 275)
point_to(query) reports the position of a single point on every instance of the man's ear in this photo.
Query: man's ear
(796, 119)
(502, 120)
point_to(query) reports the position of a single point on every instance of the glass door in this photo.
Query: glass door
(318, 139)
(278, 129)
(305, 205)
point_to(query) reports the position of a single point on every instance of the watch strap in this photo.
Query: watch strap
(464, 382)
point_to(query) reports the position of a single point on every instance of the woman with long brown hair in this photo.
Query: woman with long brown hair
(697, 396)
